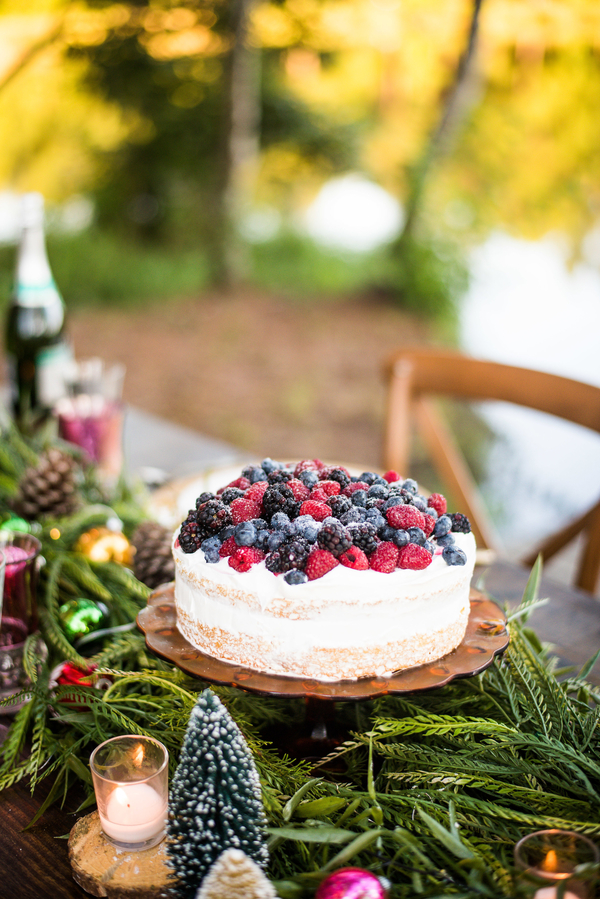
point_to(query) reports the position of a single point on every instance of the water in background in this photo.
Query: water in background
(525, 307)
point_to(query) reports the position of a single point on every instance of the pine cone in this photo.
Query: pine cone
(153, 561)
(50, 488)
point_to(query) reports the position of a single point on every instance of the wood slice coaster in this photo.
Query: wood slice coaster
(103, 870)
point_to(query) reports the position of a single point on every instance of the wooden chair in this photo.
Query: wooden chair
(416, 376)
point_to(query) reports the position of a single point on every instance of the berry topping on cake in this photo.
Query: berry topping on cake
(414, 557)
(319, 563)
(303, 519)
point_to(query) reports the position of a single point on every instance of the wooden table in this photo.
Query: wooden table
(34, 864)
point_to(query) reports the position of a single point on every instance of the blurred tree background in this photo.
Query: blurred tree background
(194, 134)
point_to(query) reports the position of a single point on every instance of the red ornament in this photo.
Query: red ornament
(351, 883)
(67, 674)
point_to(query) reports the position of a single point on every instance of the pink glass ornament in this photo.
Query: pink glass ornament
(351, 883)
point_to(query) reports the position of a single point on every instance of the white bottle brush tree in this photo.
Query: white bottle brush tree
(216, 801)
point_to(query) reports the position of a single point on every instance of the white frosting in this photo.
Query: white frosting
(344, 608)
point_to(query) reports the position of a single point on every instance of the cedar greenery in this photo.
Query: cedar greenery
(431, 790)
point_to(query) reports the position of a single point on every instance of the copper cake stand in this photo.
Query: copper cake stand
(486, 637)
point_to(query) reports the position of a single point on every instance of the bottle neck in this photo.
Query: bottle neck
(33, 268)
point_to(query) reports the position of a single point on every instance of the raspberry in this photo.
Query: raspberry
(256, 491)
(337, 473)
(356, 485)
(244, 510)
(319, 495)
(429, 525)
(405, 517)
(330, 488)
(242, 483)
(307, 465)
(319, 510)
(392, 476)
(228, 547)
(245, 557)
(438, 502)
(354, 558)
(300, 490)
(319, 563)
(384, 558)
(414, 557)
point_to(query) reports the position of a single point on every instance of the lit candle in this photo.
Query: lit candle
(130, 775)
(134, 813)
(550, 858)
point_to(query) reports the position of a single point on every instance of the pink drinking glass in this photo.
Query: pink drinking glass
(19, 606)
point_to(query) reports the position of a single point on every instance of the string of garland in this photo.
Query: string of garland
(430, 790)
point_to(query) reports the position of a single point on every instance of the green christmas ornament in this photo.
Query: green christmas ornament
(16, 524)
(83, 616)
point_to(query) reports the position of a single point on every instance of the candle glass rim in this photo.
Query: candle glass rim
(7, 538)
(139, 738)
(552, 876)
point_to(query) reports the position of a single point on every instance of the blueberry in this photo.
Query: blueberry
(368, 477)
(275, 540)
(378, 491)
(420, 503)
(410, 486)
(268, 465)
(400, 537)
(262, 540)
(446, 540)
(387, 533)
(416, 535)
(259, 523)
(394, 500)
(353, 514)
(226, 532)
(429, 547)
(442, 526)
(452, 555)
(295, 576)
(281, 522)
(306, 526)
(210, 548)
(359, 498)
(244, 533)
(309, 478)
(376, 518)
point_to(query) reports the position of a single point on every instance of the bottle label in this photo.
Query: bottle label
(52, 366)
(37, 295)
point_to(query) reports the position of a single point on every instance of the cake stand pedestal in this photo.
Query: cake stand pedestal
(485, 638)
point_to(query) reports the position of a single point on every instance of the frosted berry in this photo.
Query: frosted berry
(330, 488)
(413, 557)
(245, 557)
(442, 526)
(452, 555)
(334, 537)
(354, 486)
(300, 490)
(460, 523)
(245, 534)
(319, 563)
(400, 537)
(214, 515)
(392, 476)
(228, 547)
(416, 535)
(429, 525)
(385, 558)
(354, 558)
(256, 491)
(339, 474)
(318, 510)
(295, 576)
(364, 535)
(293, 553)
(438, 502)
(405, 517)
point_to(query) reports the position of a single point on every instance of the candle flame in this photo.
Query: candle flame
(138, 755)
(550, 863)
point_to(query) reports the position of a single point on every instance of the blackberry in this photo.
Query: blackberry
(364, 535)
(229, 494)
(295, 576)
(274, 500)
(273, 562)
(339, 475)
(291, 507)
(213, 515)
(460, 523)
(279, 476)
(293, 553)
(190, 534)
(204, 498)
(334, 537)
(339, 504)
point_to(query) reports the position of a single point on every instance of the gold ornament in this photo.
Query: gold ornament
(103, 545)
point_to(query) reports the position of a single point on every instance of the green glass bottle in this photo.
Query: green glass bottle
(37, 348)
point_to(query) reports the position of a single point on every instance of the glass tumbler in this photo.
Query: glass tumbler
(19, 606)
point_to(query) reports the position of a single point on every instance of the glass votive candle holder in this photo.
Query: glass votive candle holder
(19, 600)
(552, 858)
(131, 782)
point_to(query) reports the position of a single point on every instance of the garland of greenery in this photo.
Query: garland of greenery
(430, 790)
